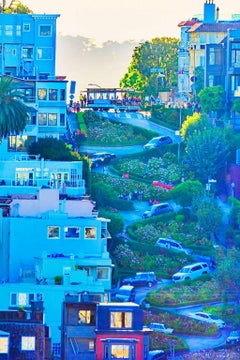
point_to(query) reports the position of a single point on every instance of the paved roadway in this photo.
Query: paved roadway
(136, 120)
(194, 343)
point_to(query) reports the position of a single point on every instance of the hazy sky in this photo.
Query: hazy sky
(125, 19)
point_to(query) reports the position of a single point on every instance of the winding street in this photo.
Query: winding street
(195, 343)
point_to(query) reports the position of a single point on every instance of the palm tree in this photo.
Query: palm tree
(13, 112)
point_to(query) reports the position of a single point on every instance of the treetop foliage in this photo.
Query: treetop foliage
(153, 67)
(14, 7)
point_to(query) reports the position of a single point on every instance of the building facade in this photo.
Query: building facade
(28, 56)
(103, 331)
(206, 54)
(50, 247)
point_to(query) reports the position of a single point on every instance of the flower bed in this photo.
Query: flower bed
(179, 294)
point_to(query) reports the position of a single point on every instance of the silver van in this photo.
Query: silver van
(172, 245)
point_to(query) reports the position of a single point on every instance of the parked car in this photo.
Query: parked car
(172, 245)
(125, 293)
(157, 142)
(160, 327)
(158, 209)
(157, 355)
(101, 158)
(141, 279)
(209, 318)
(233, 338)
(190, 272)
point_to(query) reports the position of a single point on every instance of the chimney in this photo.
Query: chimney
(209, 12)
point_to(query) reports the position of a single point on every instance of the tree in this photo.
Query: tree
(208, 151)
(212, 99)
(209, 215)
(227, 275)
(185, 192)
(13, 112)
(189, 125)
(143, 71)
(53, 149)
(15, 6)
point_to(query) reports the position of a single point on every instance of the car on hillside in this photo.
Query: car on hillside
(141, 279)
(191, 272)
(157, 142)
(160, 327)
(100, 158)
(157, 209)
(125, 293)
(174, 245)
(233, 338)
(209, 318)
(157, 355)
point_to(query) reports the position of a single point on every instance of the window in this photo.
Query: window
(86, 317)
(121, 351)
(24, 299)
(9, 30)
(235, 54)
(52, 119)
(28, 343)
(4, 344)
(72, 232)
(91, 345)
(121, 320)
(27, 53)
(62, 94)
(44, 53)
(62, 119)
(26, 27)
(42, 119)
(53, 94)
(90, 233)
(102, 273)
(45, 30)
(42, 94)
(53, 232)
(56, 349)
(211, 80)
(18, 30)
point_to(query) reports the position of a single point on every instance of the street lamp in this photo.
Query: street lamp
(178, 132)
(233, 188)
(94, 85)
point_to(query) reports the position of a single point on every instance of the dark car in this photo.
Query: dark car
(141, 279)
(157, 142)
(158, 209)
(233, 338)
(125, 293)
(101, 158)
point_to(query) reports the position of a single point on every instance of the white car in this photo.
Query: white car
(160, 327)
(191, 272)
(209, 318)
(172, 245)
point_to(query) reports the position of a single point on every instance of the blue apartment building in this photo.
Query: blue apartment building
(28, 55)
(51, 247)
(52, 241)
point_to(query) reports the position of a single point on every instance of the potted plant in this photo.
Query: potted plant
(21, 312)
(58, 280)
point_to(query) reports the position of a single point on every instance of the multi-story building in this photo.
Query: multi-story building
(23, 334)
(103, 331)
(51, 246)
(204, 49)
(28, 55)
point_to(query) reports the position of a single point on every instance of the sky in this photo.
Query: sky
(122, 20)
